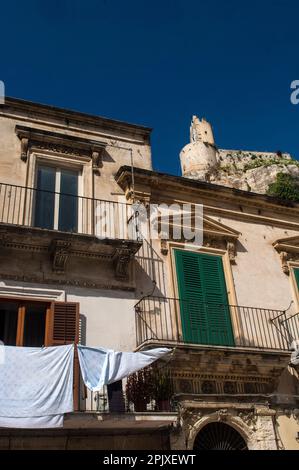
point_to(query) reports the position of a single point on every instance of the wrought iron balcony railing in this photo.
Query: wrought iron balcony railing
(107, 401)
(32, 207)
(178, 321)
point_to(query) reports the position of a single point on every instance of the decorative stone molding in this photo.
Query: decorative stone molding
(24, 149)
(284, 262)
(97, 161)
(288, 249)
(44, 243)
(32, 138)
(231, 249)
(164, 247)
(249, 418)
(122, 260)
(66, 282)
(222, 415)
(61, 251)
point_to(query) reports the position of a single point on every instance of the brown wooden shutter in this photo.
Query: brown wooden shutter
(63, 328)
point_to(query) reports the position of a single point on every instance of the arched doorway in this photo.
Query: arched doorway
(219, 436)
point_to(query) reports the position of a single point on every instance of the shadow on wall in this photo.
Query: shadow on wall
(149, 269)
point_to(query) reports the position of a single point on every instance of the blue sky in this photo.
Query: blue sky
(158, 62)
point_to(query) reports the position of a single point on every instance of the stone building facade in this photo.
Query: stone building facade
(74, 191)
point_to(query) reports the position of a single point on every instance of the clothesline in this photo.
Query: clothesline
(36, 384)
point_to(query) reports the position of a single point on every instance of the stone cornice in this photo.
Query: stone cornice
(186, 189)
(42, 111)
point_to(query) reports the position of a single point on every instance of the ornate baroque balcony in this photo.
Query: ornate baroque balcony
(67, 226)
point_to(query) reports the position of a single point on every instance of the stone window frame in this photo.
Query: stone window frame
(62, 162)
(288, 249)
(228, 275)
(292, 266)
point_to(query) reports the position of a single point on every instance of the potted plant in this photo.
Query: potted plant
(162, 388)
(139, 389)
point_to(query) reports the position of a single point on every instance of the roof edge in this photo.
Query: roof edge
(76, 115)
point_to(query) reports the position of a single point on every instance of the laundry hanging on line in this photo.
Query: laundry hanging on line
(36, 386)
(100, 366)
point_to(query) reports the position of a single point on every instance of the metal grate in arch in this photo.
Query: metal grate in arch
(219, 436)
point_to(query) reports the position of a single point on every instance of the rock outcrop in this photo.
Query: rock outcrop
(241, 169)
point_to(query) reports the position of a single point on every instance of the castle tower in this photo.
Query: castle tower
(199, 158)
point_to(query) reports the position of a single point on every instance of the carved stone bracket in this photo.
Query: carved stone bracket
(284, 256)
(121, 259)
(97, 160)
(231, 249)
(61, 251)
(24, 149)
(164, 247)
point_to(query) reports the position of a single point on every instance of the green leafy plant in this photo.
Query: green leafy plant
(285, 187)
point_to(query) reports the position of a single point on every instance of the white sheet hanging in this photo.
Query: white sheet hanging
(100, 366)
(36, 386)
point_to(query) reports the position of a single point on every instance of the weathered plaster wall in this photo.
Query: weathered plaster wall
(107, 317)
(122, 148)
(257, 272)
(288, 429)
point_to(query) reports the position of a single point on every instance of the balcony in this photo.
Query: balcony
(67, 226)
(30, 207)
(118, 406)
(158, 321)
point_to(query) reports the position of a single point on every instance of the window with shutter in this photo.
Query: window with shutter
(205, 314)
(296, 272)
(63, 328)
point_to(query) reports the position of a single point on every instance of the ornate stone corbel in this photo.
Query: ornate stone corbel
(60, 251)
(97, 161)
(231, 249)
(121, 260)
(164, 247)
(284, 256)
(24, 149)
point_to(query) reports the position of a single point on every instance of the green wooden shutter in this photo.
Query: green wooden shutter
(204, 307)
(296, 271)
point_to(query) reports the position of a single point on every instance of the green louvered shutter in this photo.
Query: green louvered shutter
(296, 271)
(204, 307)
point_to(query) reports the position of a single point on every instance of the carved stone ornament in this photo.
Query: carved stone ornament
(97, 161)
(249, 418)
(61, 251)
(32, 138)
(222, 415)
(122, 260)
(164, 247)
(284, 262)
(231, 249)
(24, 149)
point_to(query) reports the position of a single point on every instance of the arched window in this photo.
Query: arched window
(219, 436)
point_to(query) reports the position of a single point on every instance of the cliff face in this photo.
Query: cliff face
(241, 169)
(250, 171)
